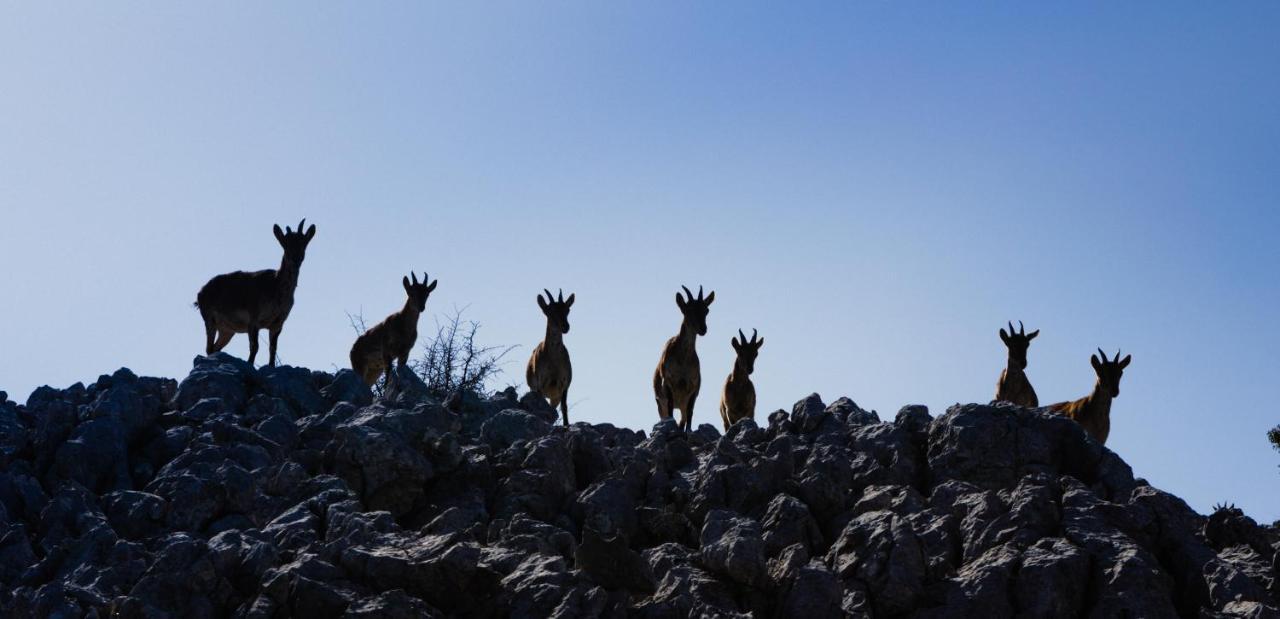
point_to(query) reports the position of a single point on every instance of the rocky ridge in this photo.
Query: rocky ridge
(286, 492)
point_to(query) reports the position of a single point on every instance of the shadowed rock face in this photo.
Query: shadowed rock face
(283, 492)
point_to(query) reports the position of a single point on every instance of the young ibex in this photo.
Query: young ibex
(393, 338)
(242, 302)
(738, 400)
(1014, 387)
(1093, 412)
(678, 378)
(549, 371)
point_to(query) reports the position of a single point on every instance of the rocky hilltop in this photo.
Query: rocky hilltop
(286, 492)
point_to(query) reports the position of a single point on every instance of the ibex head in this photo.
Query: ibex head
(556, 310)
(1110, 370)
(747, 350)
(1018, 342)
(419, 291)
(295, 242)
(695, 310)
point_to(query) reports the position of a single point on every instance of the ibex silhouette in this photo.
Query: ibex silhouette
(738, 400)
(245, 302)
(393, 338)
(678, 377)
(549, 371)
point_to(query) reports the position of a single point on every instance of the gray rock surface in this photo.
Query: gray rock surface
(284, 492)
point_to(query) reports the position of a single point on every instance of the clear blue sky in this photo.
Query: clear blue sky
(877, 188)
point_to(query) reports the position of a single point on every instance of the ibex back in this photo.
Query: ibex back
(246, 302)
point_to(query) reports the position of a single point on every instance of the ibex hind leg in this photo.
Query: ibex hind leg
(564, 406)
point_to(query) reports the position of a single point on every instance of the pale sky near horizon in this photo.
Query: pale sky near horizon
(877, 188)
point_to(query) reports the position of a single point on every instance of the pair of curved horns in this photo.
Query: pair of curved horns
(414, 278)
(742, 337)
(301, 226)
(1020, 331)
(553, 299)
(1104, 356)
(689, 295)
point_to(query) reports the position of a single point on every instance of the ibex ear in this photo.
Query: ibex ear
(759, 343)
(679, 301)
(279, 233)
(734, 341)
(569, 302)
(711, 297)
(1124, 363)
(432, 286)
(1032, 335)
(542, 304)
(1097, 365)
(1004, 337)
(405, 281)
(311, 232)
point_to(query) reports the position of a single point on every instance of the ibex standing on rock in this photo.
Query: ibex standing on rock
(738, 400)
(243, 302)
(678, 378)
(1014, 387)
(393, 338)
(1093, 412)
(549, 371)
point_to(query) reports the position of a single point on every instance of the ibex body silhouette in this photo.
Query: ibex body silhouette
(392, 339)
(246, 302)
(738, 400)
(678, 378)
(1014, 386)
(1093, 412)
(549, 371)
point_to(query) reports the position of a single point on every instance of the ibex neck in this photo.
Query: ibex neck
(288, 273)
(1016, 364)
(688, 337)
(1100, 397)
(739, 372)
(554, 336)
(410, 310)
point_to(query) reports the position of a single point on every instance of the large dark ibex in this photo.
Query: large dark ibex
(1014, 386)
(393, 338)
(549, 371)
(738, 400)
(1093, 412)
(678, 377)
(246, 302)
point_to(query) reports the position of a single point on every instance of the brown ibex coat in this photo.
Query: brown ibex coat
(392, 339)
(246, 302)
(1014, 386)
(1093, 412)
(738, 399)
(678, 377)
(549, 371)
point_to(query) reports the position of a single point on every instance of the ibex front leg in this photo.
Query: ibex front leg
(564, 406)
(253, 345)
(273, 335)
(688, 417)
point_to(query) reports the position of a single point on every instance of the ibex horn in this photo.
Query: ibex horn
(560, 299)
(687, 294)
(753, 335)
(1021, 329)
(549, 297)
